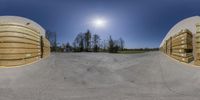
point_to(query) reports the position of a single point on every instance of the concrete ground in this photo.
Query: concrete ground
(101, 76)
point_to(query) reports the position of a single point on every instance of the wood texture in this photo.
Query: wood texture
(183, 59)
(17, 28)
(17, 40)
(197, 49)
(9, 63)
(182, 46)
(21, 45)
(19, 56)
(197, 62)
(182, 54)
(18, 50)
(20, 35)
(181, 37)
(182, 42)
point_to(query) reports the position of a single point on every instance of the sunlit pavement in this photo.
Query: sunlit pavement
(101, 76)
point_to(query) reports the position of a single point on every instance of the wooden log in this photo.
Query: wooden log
(197, 45)
(181, 50)
(23, 25)
(197, 50)
(46, 49)
(20, 41)
(9, 63)
(183, 42)
(18, 56)
(46, 43)
(197, 35)
(182, 37)
(197, 56)
(182, 54)
(197, 40)
(17, 28)
(19, 45)
(17, 40)
(197, 62)
(20, 35)
(184, 46)
(169, 46)
(179, 40)
(182, 59)
(18, 50)
(45, 55)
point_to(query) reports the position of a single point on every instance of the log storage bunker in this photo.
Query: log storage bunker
(182, 42)
(22, 41)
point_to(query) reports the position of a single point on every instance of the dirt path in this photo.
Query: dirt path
(101, 76)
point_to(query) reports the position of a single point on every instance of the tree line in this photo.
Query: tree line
(86, 42)
(142, 49)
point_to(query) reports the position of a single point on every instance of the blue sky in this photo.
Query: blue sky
(141, 23)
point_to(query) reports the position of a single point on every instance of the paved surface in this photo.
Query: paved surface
(101, 76)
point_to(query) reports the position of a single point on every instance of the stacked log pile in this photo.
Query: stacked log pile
(162, 49)
(18, 45)
(182, 46)
(169, 46)
(21, 43)
(165, 48)
(46, 48)
(197, 46)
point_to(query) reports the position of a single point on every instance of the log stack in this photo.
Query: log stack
(162, 48)
(46, 48)
(165, 48)
(169, 46)
(182, 46)
(20, 41)
(197, 46)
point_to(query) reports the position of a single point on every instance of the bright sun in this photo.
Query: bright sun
(99, 22)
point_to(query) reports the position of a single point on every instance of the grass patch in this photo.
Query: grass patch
(130, 52)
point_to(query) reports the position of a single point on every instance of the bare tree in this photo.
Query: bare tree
(52, 37)
(79, 42)
(96, 42)
(87, 41)
(68, 47)
(111, 45)
(121, 44)
(55, 42)
(104, 45)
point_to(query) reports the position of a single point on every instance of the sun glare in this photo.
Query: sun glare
(99, 22)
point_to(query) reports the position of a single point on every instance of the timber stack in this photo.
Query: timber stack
(169, 46)
(197, 45)
(182, 46)
(165, 48)
(22, 41)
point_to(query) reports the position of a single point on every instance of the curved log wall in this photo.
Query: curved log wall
(21, 43)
